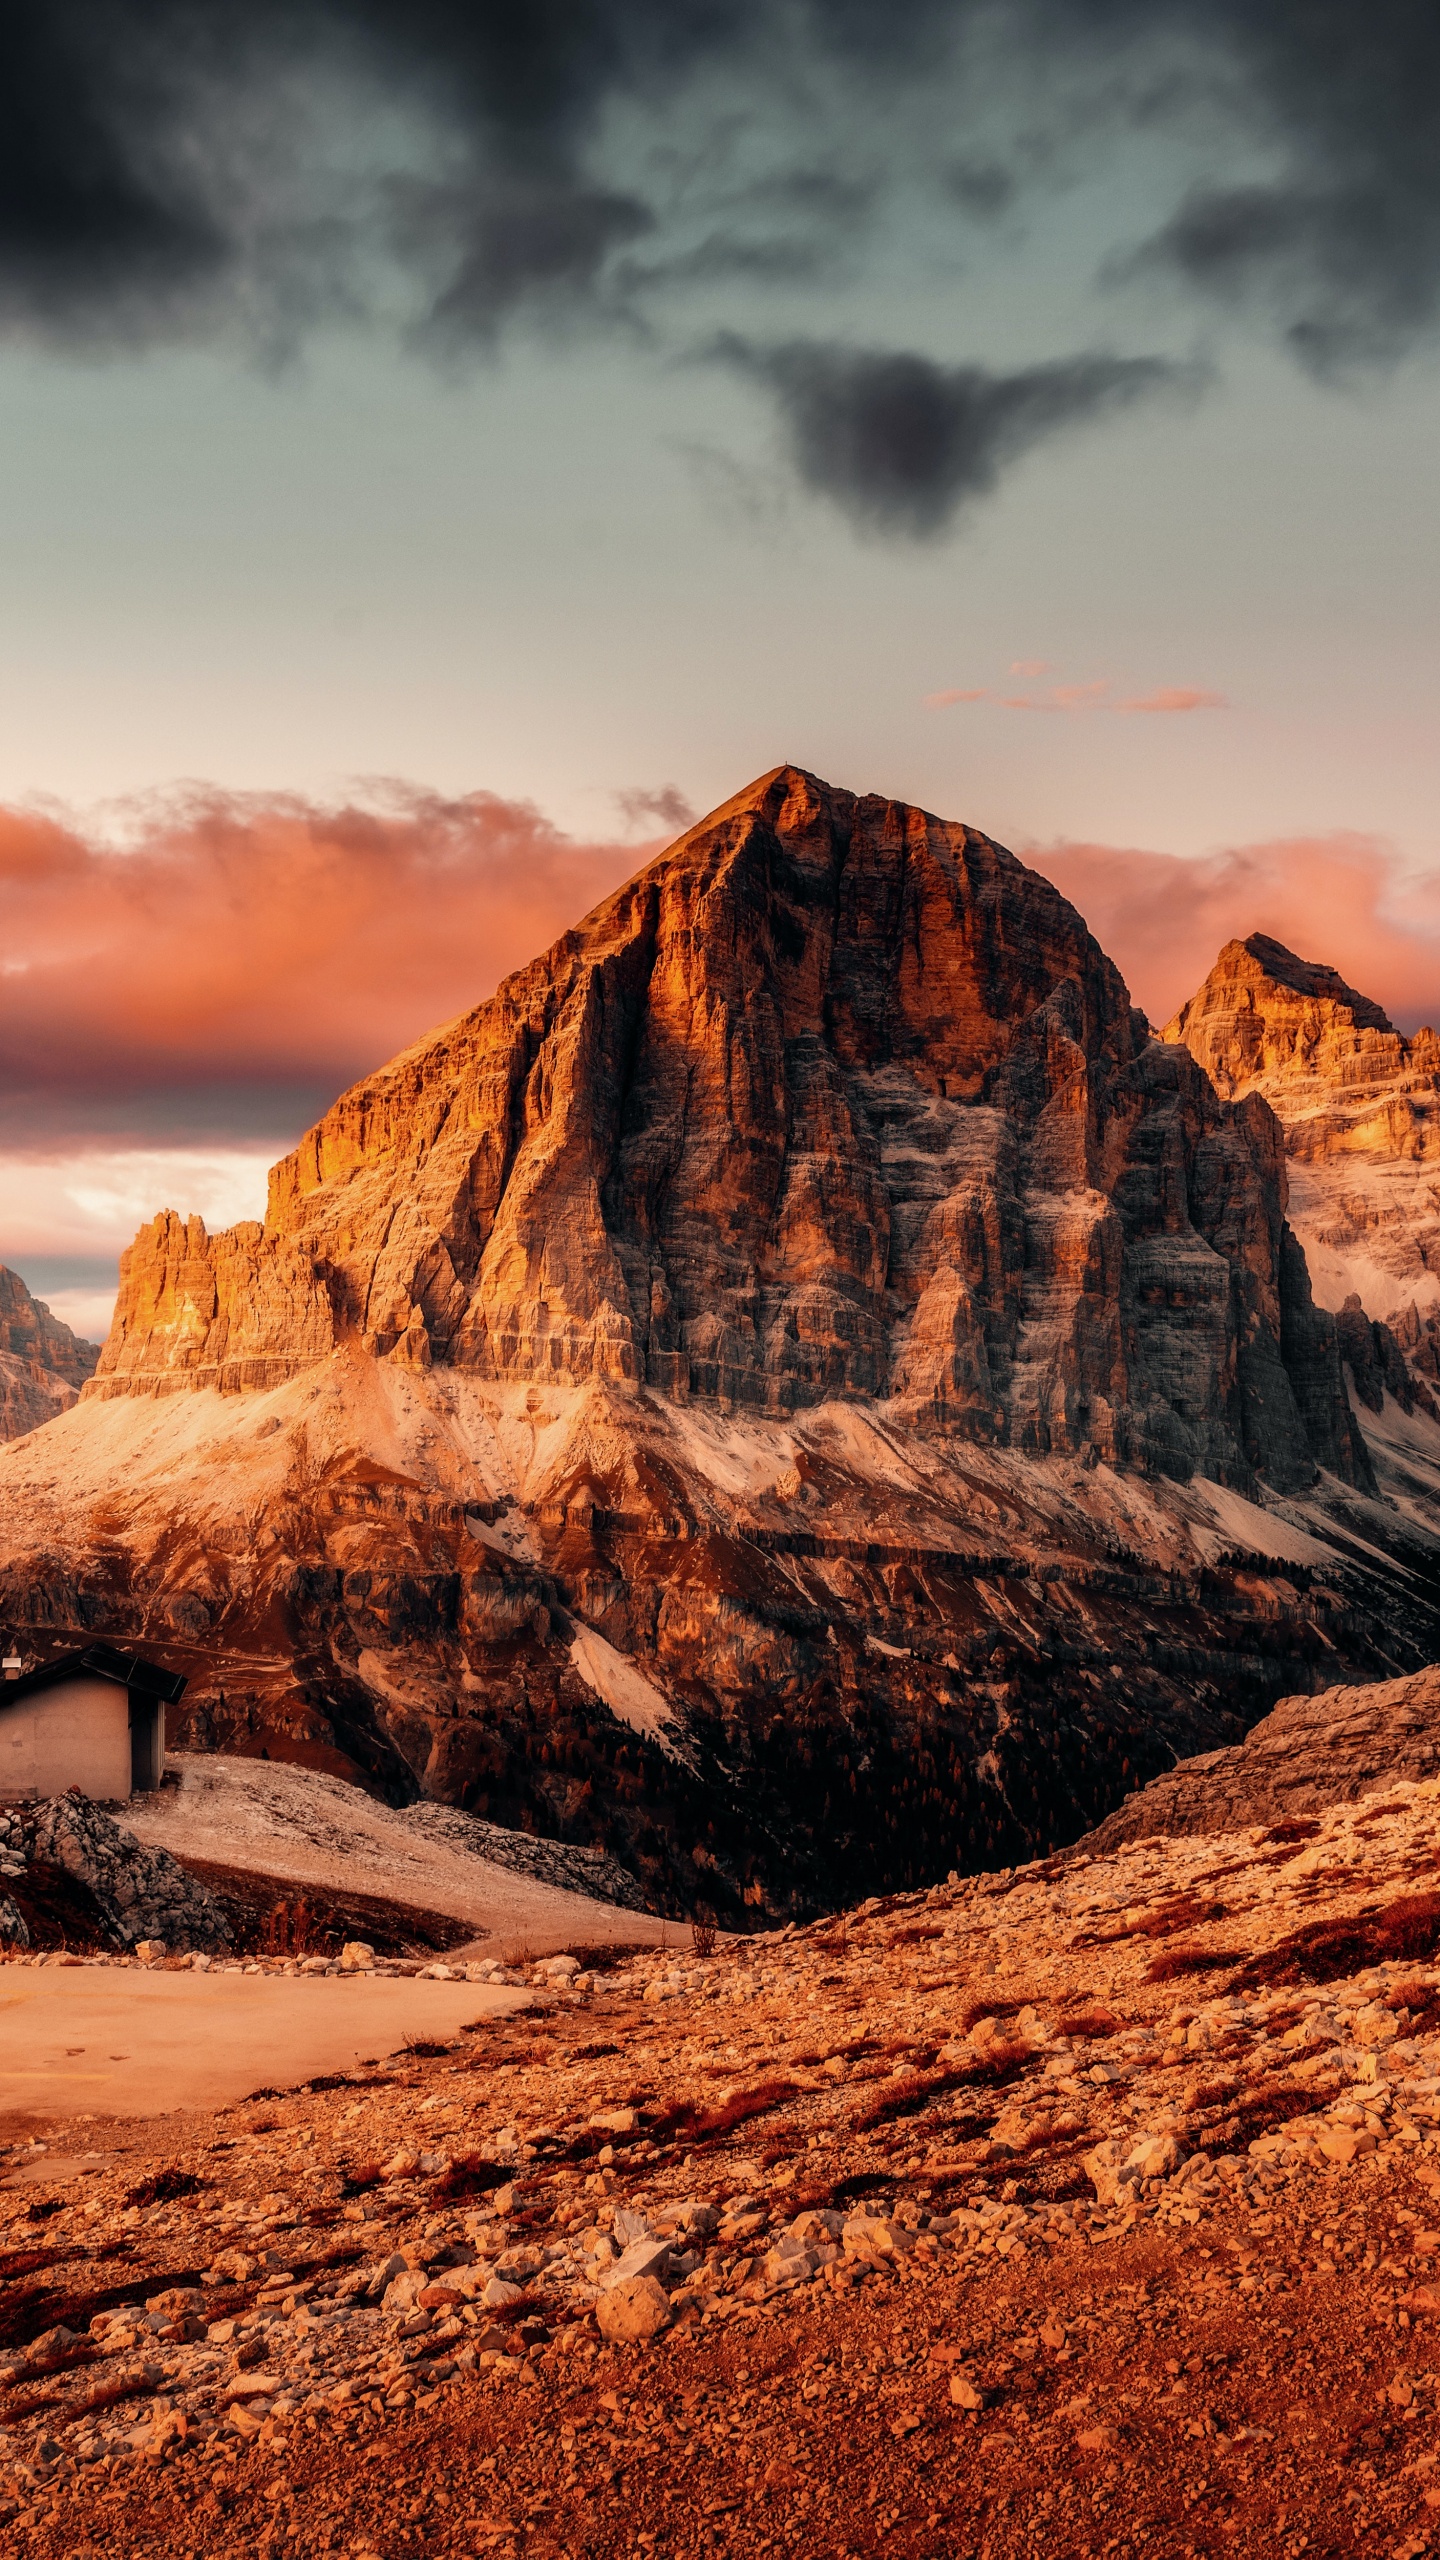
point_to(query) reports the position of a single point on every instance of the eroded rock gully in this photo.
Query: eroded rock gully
(798, 1390)
(1089, 2206)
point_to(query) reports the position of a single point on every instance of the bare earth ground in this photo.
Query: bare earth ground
(122, 2039)
(1082, 2210)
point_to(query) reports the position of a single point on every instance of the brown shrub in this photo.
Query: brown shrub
(471, 2175)
(979, 2009)
(1253, 2116)
(30, 2309)
(1005, 2064)
(690, 2122)
(1087, 2024)
(166, 2186)
(1300, 1827)
(15, 2263)
(1186, 1911)
(1332, 1950)
(1178, 1961)
(293, 1929)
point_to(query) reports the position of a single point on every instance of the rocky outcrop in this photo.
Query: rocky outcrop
(43, 1365)
(836, 1099)
(130, 1892)
(574, 1870)
(1310, 1752)
(1360, 1106)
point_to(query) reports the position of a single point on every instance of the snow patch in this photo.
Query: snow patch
(626, 1691)
(1239, 1523)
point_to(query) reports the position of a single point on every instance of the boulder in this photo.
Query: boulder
(143, 1896)
(637, 2309)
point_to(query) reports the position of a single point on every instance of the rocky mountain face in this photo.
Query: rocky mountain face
(798, 1390)
(1360, 1107)
(43, 1365)
(833, 1100)
(1308, 1753)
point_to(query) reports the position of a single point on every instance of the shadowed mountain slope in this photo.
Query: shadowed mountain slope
(43, 1365)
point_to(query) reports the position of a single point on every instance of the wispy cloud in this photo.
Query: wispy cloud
(665, 807)
(1096, 695)
(1175, 697)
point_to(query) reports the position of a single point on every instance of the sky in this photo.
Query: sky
(445, 448)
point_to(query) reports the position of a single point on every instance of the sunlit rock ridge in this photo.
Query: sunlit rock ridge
(799, 1389)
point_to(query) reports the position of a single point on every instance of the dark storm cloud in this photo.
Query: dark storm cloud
(99, 218)
(521, 246)
(900, 443)
(1341, 239)
(171, 167)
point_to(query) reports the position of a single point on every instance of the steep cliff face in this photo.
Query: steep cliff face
(799, 1389)
(834, 1099)
(1360, 1106)
(43, 1365)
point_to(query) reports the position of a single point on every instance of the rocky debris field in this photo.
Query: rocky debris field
(1090, 2207)
(571, 1869)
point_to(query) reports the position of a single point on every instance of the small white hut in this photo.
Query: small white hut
(93, 1720)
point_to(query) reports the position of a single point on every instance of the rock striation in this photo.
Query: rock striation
(1308, 1753)
(797, 1393)
(43, 1365)
(1360, 1107)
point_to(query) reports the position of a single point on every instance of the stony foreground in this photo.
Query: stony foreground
(1092, 2201)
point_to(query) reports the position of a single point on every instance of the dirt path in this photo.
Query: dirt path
(107, 2041)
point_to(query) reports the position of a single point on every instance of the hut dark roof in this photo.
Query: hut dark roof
(102, 1662)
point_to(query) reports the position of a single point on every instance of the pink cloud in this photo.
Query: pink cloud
(1094, 696)
(1175, 697)
(1340, 898)
(1030, 667)
(1061, 697)
(239, 958)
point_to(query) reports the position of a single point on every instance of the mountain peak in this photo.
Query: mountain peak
(1265, 1018)
(835, 1099)
(1277, 966)
(42, 1363)
(1360, 1107)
